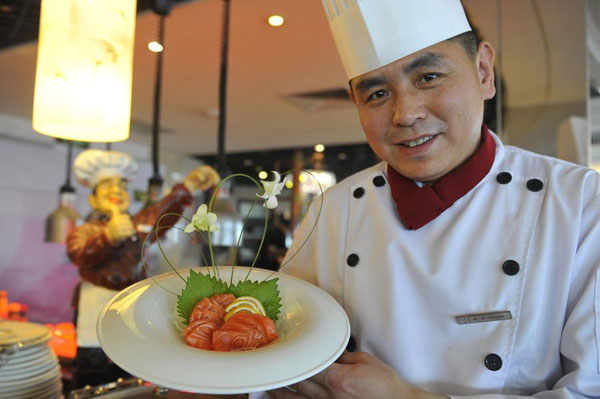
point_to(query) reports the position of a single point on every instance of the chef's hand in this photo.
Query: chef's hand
(354, 375)
(201, 178)
(119, 227)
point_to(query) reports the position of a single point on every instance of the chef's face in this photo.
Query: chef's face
(110, 195)
(422, 114)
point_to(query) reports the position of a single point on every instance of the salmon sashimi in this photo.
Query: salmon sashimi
(244, 331)
(206, 317)
(199, 333)
(223, 299)
(208, 309)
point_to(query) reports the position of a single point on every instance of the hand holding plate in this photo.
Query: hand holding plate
(353, 376)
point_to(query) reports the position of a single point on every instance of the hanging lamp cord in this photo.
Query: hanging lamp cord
(157, 92)
(67, 186)
(221, 157)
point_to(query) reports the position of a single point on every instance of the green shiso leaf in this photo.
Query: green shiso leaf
(265, 291)
(198, 286)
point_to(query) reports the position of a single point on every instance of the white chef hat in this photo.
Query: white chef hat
(372, 33)
(92, 166)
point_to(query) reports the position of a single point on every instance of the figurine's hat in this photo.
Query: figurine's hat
(92, 166)
(372, 33)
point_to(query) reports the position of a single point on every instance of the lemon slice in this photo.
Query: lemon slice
(240, 308)
(244, 304)
(249, 301)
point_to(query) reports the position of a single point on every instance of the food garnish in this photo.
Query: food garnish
(219, 314)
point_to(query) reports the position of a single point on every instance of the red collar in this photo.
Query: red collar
(417, 206)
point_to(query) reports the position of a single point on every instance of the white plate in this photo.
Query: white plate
(26, 373)
(53, 387)
(26, 361)
(24, 367)
(140, 331)
(34, 352)
(39, 382)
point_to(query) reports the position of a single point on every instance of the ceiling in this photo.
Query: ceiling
(268, 66)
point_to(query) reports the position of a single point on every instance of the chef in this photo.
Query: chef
(466, 267)
(107, 248)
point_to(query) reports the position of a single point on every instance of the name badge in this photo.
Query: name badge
(483, 317)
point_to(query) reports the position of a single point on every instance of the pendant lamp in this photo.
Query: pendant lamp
(84, 69)
(64, 218)
(162, 8)
(229, 222)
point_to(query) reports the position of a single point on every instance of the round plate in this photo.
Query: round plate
(22, 333)
(24, 374)
(42, 381)
(27, 355)
(141, 332)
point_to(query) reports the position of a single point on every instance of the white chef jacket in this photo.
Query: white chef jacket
(407, 286)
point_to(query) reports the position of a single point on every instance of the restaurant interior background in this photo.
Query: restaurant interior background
(286, 93)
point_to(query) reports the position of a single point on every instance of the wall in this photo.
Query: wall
(32, 168)
(32, 271)
(535, 128)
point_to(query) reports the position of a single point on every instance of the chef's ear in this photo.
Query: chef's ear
(485, 69)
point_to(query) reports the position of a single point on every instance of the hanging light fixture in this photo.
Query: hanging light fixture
(162, 8)
(84, 69)
(229, 222)
(308, 184)
(64, 218)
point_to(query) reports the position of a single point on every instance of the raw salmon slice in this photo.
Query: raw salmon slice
(223, 299)
(199, 333)
(244, 331)
(206, 317)
(208, 309)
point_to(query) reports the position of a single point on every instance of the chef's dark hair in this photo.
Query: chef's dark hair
(470, 39)
(470, 42)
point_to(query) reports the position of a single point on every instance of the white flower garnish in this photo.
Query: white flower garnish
(202, 221)
(272, 190)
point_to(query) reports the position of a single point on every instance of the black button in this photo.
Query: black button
(379, 181)
(535, 185)
(504, 178)
(351, 344)
(352, 260)
(510, 267)
(493, 362)
(359, 192)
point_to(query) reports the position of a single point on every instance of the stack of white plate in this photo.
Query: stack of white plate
(28, 367)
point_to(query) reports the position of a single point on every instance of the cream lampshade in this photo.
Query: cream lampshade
(84, 69)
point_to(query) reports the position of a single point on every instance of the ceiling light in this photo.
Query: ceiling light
(62, 221)
(319, 148)
(289, 184)
(248, 162)
(316, 181)
(262, 175)
(276, 20)
(155, 47)
(210, 112)
(342, 156)
(83, 81)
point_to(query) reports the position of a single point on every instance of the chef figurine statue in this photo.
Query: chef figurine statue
(107, 248)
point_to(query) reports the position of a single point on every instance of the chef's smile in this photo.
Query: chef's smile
(418, 146)
(417, 142)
